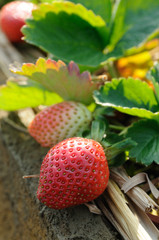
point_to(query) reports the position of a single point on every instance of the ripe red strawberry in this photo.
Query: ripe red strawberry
(13, 16)
(58, 122)
(75, 171)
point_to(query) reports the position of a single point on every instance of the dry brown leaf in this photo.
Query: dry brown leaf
(138, 179)
(137, 195)
(93, 208)
(128, 218)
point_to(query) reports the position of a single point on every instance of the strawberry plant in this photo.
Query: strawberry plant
(48, 82)
(75, 170)
(91, 33)
(85, 103)
(138, 99)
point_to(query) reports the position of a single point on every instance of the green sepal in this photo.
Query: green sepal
(117, 148)
(98, 129)
(118, 160)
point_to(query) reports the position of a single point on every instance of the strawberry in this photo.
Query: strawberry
(58, 122)
(74, 171)
(13, 16)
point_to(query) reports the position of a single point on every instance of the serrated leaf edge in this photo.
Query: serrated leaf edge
(125, 108)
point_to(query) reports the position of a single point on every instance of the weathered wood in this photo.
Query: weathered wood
(11, 53)
(8, 55)
(22, 216)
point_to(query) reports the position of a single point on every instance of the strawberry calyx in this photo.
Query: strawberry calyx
(114, 146)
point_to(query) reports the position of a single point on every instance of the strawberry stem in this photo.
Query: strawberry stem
(115, 127)
(103, 78)
(32, 176)
(117, 148)
(111, 68)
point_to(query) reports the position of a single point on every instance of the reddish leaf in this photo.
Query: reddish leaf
(67, 81)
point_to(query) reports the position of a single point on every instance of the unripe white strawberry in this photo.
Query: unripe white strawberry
(58, 122)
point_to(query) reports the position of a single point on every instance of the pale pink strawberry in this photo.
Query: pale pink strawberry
(58, 122)
(74, 171)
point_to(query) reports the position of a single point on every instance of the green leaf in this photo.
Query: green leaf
(50, 1)
(66, 81)
(112, 138)
(118, 160)
(117, 24)
(153, 76)
(100, 7)
(69, 32)
(115, 147)
(146, 134)
(14, 96)
(69, 8)
(142, 21)
(130, 96)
